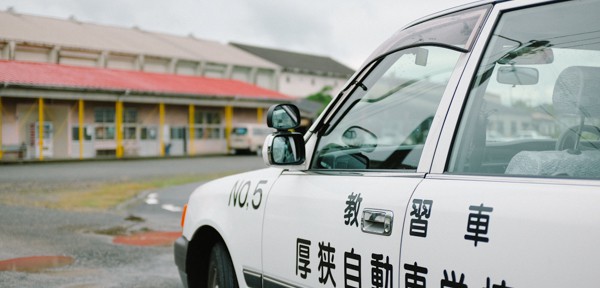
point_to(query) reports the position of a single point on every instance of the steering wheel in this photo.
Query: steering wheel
(568, 138)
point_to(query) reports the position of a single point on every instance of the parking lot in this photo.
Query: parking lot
(53, 235)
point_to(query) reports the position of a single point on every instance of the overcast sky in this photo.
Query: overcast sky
(346, 30)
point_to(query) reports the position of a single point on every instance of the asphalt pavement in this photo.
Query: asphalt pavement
(112, 170)
(162, 207)
(87, 237)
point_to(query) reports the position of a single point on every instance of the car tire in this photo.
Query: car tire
(220, 268)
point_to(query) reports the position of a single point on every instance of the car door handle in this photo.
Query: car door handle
(376, 221)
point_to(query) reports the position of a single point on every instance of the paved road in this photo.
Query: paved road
(53, 172)
(29, 231)
(162, 207)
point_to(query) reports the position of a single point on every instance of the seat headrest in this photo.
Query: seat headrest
(577, 92)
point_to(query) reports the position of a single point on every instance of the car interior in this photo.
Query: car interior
(534, 106)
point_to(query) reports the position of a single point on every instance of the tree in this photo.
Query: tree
(323, 97)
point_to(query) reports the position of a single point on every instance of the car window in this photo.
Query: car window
(385, 121)
(534, 107)
(239, 131)
(386, 127)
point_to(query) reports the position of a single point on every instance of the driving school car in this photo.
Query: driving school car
(418, 174)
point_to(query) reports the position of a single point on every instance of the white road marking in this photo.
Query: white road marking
(172, 208)
(152, 199)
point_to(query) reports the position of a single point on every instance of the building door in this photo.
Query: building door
(149, 143)
(178, 140)
(47, 139)
(88, 142)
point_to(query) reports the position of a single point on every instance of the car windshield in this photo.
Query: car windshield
(385, 121)
(386, 128)
(239, 131)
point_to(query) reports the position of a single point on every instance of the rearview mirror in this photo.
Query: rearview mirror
(515, 75)
(283, 117)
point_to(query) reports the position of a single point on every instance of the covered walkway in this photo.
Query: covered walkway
(89, 112)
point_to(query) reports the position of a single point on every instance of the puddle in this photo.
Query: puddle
(112, 231)
(151, 238)
(134, 218)
(35, 263)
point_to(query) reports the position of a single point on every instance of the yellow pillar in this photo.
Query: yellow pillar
(259, 115)
(80, 129)
(41, 127)
(119, 128)
(228, 123)
(192, 133)
(161, 127)
(1, 151)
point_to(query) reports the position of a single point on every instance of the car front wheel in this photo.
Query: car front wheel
(220, 268)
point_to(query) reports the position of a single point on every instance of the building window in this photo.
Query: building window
(104, 115)
(129, 132)
(178, 133)
(199, 133)
(105, 132)
(208, 124)
(129, 123)
(105, 123)
(148, 133)
(87, 135)
(130, 115)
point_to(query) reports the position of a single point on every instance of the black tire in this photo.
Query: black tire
(220, 268)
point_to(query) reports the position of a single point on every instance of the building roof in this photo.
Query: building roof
(294, 61)
(44, 75)
(75, 34)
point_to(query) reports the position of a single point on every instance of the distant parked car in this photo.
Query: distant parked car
(249, 138)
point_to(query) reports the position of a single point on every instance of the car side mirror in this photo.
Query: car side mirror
(284, 147)
(283, 117)
(358, 137)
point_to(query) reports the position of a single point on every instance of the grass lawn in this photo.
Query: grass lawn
(95, 196)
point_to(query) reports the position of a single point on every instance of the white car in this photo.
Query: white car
(246, 137)
(395, 185)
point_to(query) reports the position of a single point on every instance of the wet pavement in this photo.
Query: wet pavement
(128, 246)
(162, 207)
(98, 262)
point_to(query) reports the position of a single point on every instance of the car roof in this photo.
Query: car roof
(451, 10)
(381, 50)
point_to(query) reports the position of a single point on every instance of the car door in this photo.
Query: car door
(338, 221)
(506, 210)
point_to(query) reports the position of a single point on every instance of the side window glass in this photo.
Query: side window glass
(385, 124)
(534, 107)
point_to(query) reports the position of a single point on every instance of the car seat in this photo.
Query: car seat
(576, 93)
